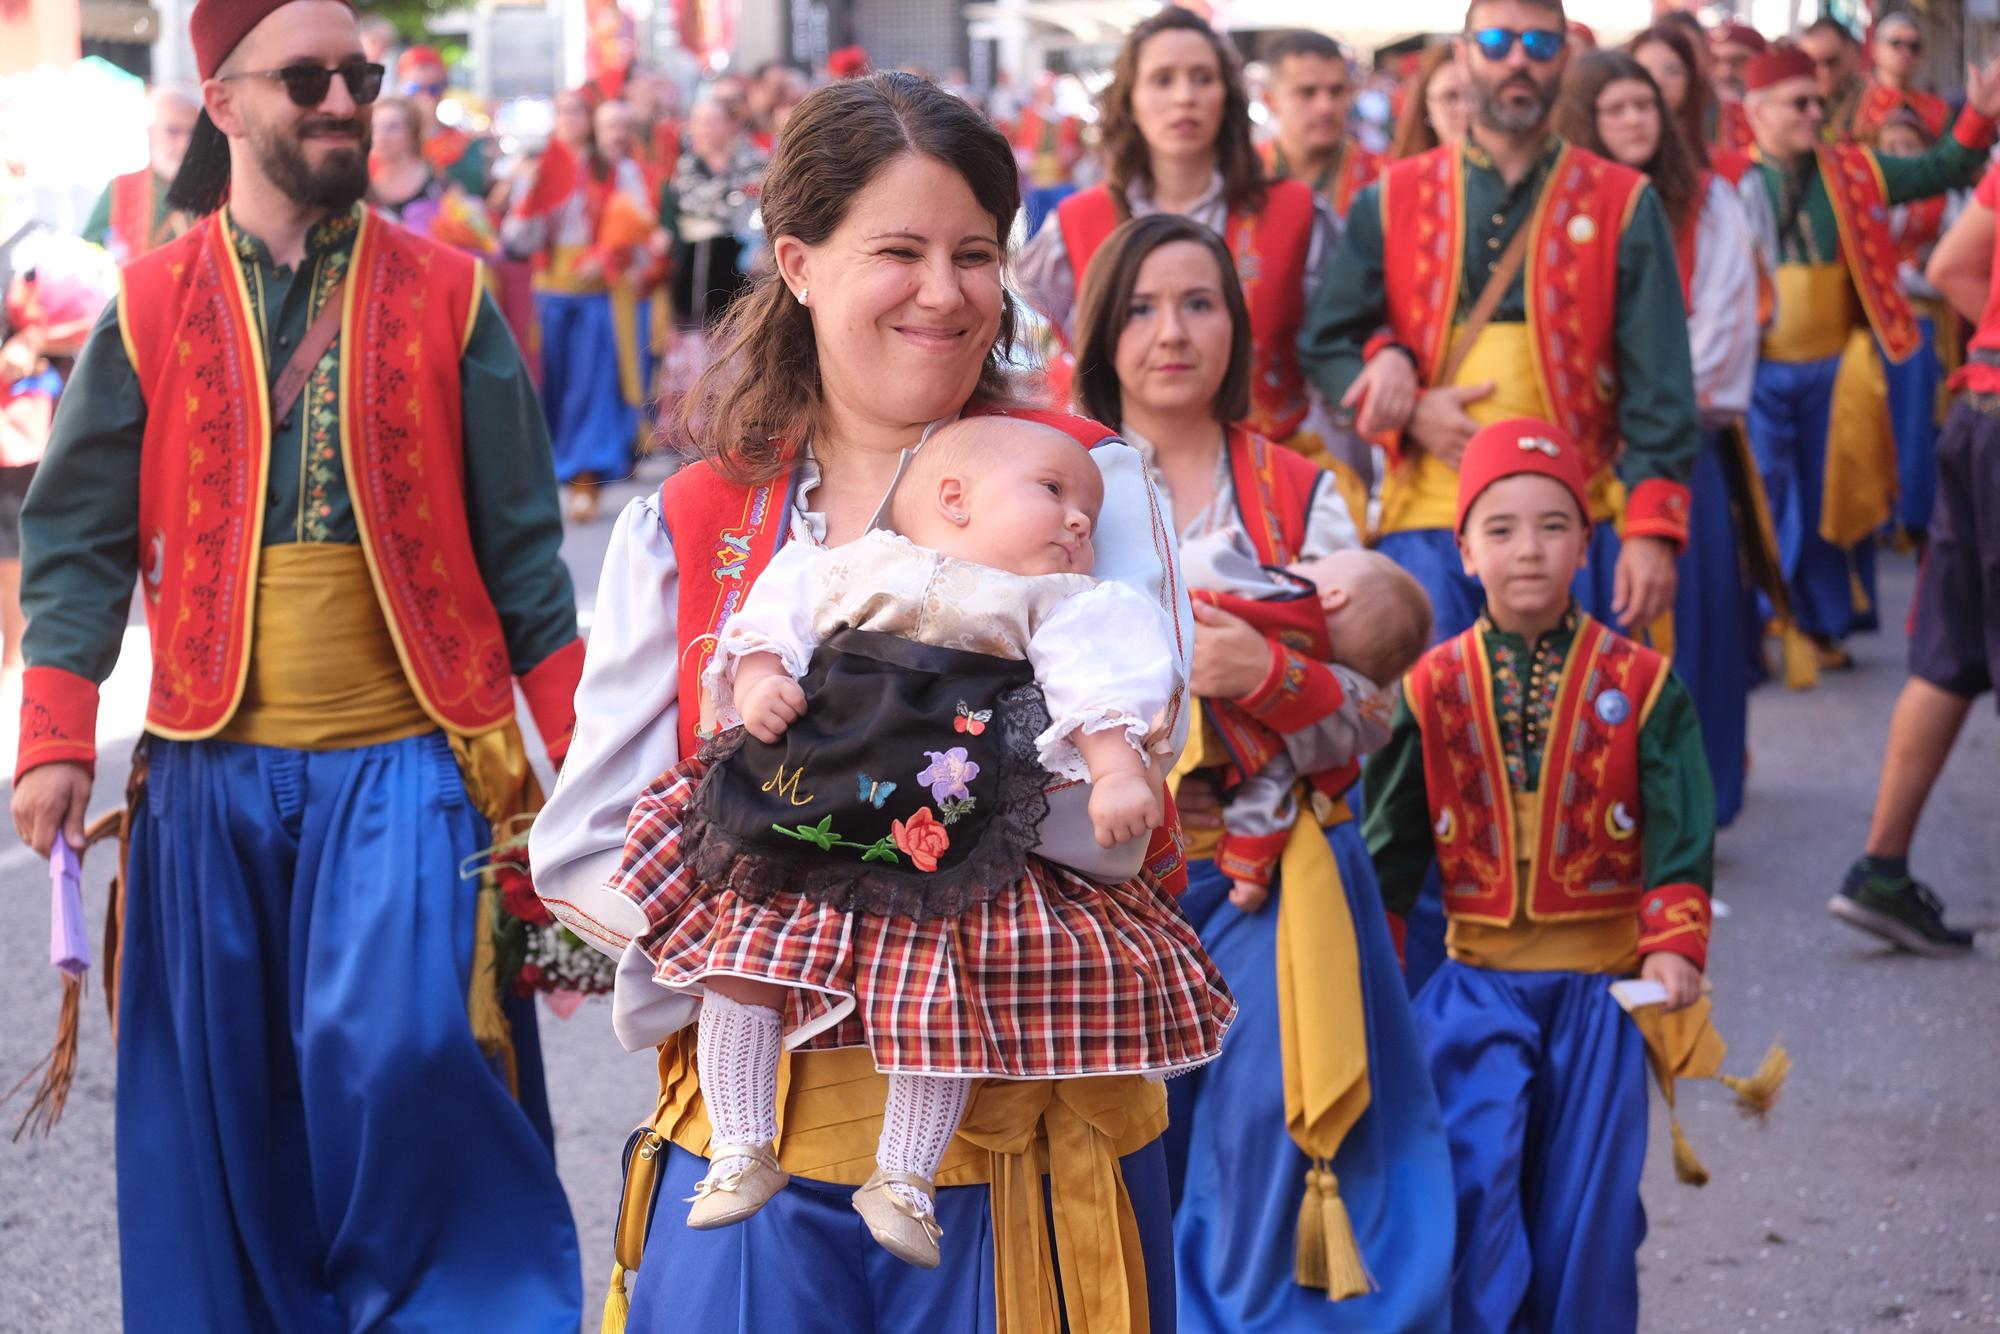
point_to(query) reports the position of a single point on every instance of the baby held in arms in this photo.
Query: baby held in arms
(858, 863)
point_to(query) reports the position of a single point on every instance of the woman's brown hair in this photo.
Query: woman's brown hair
(1693, 115)
(1126, 157)
(761, 397)
(1105, 307)
(1414, 134)
(406, 110)
(1672, 168)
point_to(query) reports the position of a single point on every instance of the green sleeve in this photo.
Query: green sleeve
(473, 172)
(97, 230)
(1351, 305)
(1397, 814)
(80, 524)
(1676, 794)
(1657, 416)
(1946, 165)
(511, 502)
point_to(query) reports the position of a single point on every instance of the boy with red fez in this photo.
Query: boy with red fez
(1555, 771)
(132, 215)
(1823, 211)
(1311, 89)
(307, 436)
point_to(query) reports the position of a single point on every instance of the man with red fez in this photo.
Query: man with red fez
(306, 436)
(1311, 89)
(464, 159)
(1823, 214)
(1894, 49)
(1733, 46)
(1515, 276)
(132, 215)
(1048, 145)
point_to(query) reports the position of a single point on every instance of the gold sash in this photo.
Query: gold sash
(1594, 945)
(1816, 309)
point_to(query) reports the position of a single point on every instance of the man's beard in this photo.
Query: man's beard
(336, 185)
(1511, 117)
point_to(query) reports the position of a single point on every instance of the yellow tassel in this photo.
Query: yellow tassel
(1756, 1094)
(617, 1305)
(482, 1000)
(1687, 1167)
(1801, 658)
(1858, 592)
(1327, 1255)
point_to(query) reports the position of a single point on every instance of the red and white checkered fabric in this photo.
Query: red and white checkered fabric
(1056, 977)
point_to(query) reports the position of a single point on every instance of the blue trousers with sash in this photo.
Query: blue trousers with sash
(591, 426)
(1431, 555)
(1239, 1178)
(1542, 1079)
(1717, 626)
(1791, 407)
(309, 1138)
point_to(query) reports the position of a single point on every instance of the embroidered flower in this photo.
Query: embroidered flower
(921, 837)
(948, 774)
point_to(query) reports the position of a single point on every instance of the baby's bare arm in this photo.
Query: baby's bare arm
(1123, 803)
(767, 696)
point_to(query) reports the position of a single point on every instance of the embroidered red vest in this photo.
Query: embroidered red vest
(1877, 102)
(1588, 856)
(132, 214)
(1861, 214)
(192, 336)
(729, 532)
(1570, 280)
(1270, 249)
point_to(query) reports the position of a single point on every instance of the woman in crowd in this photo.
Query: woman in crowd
(1670, 56)
(1163, 342)
(1613, 107)
(399, 175)
(706, 210)
(577, 218)
(1437, 108)
(888, 206)
(1175, 128)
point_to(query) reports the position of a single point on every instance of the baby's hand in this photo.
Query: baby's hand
(769, 705)
(1122, 807)
(1677, 974)
(1247, 896)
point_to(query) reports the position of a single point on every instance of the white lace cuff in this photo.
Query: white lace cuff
(1058, 751)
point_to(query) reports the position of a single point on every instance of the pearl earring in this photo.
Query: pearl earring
(958, 516)
(802, 294)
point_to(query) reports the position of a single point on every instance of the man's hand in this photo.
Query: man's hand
(1230, 658)
(769, 705)
(1642, 587)
(1197, 804)
(51, 797)
(1383, 395)
(1123, 807)
(1982, 89)
(1439, 425)
(1677, 974)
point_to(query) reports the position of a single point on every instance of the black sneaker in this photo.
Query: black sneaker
(1901, 910)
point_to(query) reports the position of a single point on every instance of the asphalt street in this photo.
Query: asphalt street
(1870, 1202)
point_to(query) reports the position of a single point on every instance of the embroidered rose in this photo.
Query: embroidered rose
(948, 774)
(921, 838)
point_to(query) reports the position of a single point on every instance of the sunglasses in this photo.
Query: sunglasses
(1541, 44)
(433, 89)
(307, 85)
(1807, 104)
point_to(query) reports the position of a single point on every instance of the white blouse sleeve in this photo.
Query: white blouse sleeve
(1722, 325)
(1329, 527)
(776, 617)
(1044, 278)
(1105, 659)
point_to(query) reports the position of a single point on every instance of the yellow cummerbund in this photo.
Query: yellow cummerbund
(1593, 945)
(1816, 308)
(561, 274)
(324, 674)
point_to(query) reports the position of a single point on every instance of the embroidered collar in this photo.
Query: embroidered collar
(1475, 156)
(1565, 628)
(333, 233)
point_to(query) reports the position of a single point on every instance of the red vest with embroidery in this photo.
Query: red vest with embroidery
(132, 214)
(1861, 214)
(195, 347)
(1588, 858)
(1877, 102)
(1570, 281)
(1270, 249)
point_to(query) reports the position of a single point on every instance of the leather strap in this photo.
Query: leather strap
(319, 337)
(1497, 283)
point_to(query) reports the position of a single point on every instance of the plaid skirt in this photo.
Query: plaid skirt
(1056, 977)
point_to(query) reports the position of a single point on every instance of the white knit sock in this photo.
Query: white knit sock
(736, 1055)
(917, 1125)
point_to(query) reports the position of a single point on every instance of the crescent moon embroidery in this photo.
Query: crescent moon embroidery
(156, 560)
(1446, 827)
(1618, 822)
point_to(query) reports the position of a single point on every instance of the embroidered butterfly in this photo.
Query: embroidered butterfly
(874, 793)
(970, 720)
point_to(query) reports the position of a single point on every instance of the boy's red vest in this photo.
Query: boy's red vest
(1270, 249)
(728, 533)
(1588, 859)
(1570, 281)
(193, 340)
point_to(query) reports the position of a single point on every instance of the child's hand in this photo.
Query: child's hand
(1247, 896)
(769, 705)
(1123, 807)
(1677, 974)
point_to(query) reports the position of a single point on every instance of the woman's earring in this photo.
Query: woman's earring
(802, 294)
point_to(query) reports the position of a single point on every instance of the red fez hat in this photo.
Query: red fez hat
(218, 26)
(416, 57)
(1776, 66)
(847, 62)
(1519, 445)
(1733, 33)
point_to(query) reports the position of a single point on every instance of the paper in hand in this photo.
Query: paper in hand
(69, 946)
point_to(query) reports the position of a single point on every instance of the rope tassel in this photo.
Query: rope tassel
(1328, 1257)
(1758, 1093)
(617, 1303)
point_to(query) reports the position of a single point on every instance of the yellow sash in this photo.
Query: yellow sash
(1685, 1045)
(1861, 479)
(560, 275)
(1816, 309)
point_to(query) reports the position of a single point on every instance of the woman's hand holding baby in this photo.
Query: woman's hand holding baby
(767, 696)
